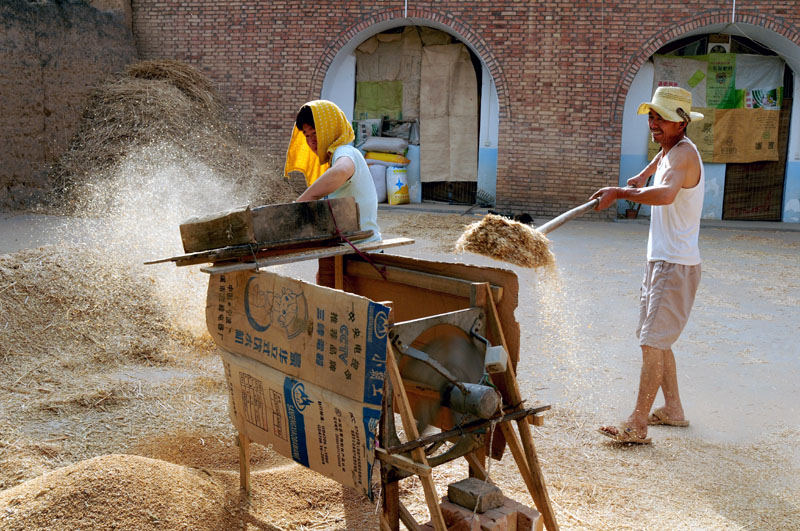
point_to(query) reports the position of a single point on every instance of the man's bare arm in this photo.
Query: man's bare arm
(684, 173)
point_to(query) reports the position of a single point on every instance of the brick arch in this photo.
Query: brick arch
(417, 16)
(652, 45)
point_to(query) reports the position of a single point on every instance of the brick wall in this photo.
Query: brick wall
(53, 52)
(562, 69)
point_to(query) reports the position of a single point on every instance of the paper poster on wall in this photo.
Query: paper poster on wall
(739, 95)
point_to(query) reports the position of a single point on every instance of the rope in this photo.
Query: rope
(356, 249)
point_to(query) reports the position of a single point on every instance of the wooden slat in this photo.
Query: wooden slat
(530, 460)
(403, 407)
(417, 279)
(261, 250)
(403, 463)
(299, 256)
(268, 223)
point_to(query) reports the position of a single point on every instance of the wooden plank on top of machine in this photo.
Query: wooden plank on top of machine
(310, 220)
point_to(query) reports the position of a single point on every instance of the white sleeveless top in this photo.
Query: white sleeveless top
(361, 187)
(674, 228)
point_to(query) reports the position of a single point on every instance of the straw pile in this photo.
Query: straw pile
(79, 298)
(507, 240)
(156, 103)
(86, 337)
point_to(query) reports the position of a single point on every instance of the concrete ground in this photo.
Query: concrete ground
(738, 359)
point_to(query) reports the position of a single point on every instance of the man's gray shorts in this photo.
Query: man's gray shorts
(665, 302)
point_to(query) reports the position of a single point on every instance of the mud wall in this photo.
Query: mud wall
(52, 52)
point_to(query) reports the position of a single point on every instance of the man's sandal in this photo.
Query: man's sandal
(660, 418)
(624, 434)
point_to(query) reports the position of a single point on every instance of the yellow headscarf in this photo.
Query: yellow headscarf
(333, 130)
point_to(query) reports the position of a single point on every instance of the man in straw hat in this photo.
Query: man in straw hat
(672, 272)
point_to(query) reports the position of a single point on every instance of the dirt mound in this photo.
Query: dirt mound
(155, 103)
(116, 492)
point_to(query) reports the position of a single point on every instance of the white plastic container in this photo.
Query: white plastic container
(378, 172)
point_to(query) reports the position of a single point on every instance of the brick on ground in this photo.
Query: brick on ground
(511, 516)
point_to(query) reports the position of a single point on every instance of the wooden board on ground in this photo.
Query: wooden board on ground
(270, 223)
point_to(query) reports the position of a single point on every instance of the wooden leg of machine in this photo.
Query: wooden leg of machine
(390, 501)
(244, 463)
(477, 464)
(537, 488)
(403, 407)
(338, 272)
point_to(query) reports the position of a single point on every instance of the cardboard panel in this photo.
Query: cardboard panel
(330, 338)
(318, 428)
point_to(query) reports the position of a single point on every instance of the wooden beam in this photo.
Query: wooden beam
(539, 490)
(403, 407)
(403, 463)
(477, 464)
(300, 256)
(418, 279)
(408, 520)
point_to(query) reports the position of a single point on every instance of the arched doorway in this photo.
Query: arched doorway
(339, 86)
(768, 190)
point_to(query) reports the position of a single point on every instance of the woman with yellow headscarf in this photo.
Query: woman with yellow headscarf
(320, 149)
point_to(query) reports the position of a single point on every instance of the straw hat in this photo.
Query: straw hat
(669, 103)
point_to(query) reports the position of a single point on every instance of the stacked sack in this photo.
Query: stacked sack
(389, 167)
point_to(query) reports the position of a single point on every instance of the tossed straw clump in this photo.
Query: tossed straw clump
(507, 240)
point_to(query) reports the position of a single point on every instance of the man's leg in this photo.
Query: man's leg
(650, 379)
(669, 386)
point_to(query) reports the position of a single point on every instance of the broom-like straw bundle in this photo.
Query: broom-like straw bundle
(514, 242)
(507, 240)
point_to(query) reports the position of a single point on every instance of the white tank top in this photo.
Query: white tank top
(674, 229)
(361, 187)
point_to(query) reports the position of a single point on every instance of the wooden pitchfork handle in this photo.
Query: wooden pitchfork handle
(555, 223)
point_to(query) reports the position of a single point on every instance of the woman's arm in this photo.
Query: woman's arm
(331, 180)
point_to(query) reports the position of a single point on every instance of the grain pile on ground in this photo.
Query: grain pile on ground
(78, 297)
(507, 240)
(168, 104)
(116, 492)
(132, 492)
